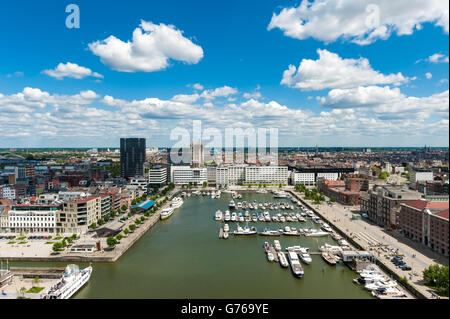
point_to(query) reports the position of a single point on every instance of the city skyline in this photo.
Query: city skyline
(142, 71)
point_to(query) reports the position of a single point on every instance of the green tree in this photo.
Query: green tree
(36, 281)
(126, 231)
(93, 226)
(383, 175)
(111, 242)
(205, 184)
(132, 227)
(119, 237)
(57, 246)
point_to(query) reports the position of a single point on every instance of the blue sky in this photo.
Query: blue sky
(358, 86)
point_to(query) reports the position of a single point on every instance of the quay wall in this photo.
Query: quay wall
(380, 263)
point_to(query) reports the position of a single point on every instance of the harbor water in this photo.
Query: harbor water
(182, 257)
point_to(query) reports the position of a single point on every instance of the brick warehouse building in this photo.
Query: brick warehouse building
(426, 222)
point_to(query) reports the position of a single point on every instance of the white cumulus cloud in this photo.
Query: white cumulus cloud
(331, 71)
(71, 70)
(149, 50)
(362, 21)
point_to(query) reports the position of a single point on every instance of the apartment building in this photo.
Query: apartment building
(78, 214)
(426, 222)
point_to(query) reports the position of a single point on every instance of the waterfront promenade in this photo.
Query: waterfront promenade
(43, 252)
(373, 238)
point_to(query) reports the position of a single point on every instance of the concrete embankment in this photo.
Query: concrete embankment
(347, 236)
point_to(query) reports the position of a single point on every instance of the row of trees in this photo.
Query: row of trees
(64, 243)
(310, 194)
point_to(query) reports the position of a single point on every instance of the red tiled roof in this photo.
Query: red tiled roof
(421, 204)
(443, 214)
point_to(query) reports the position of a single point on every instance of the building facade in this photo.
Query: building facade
(157, 176)
(132, 157)
(78, 214)
(382, 203)
(426, 222)
(33, 219)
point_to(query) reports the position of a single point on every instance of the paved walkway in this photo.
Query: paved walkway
(369, 236)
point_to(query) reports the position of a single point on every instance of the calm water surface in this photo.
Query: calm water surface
(183, 257)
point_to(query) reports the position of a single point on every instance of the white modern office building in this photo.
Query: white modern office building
(420, 175)
(182, 175)
(266, 175)
(157, 176)
(32, 219)
(231, 174)
(328, 176)
(307, 179)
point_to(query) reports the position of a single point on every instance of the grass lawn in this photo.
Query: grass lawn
(11, 242)
(35, 290)
(49, 243)
(23, 242)
(21, 238)
(57, 238)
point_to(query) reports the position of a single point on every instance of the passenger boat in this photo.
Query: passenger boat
(283, 261)
(329, 258)
(276, 245)
(166, 213)
(176, 202)
(296, 267)
(72, 281)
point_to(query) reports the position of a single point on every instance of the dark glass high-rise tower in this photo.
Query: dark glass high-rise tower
(132, 157)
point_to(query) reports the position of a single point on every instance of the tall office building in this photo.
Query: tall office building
(197, 155)
(132, 157)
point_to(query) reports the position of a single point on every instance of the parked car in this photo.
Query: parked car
(405, 268)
